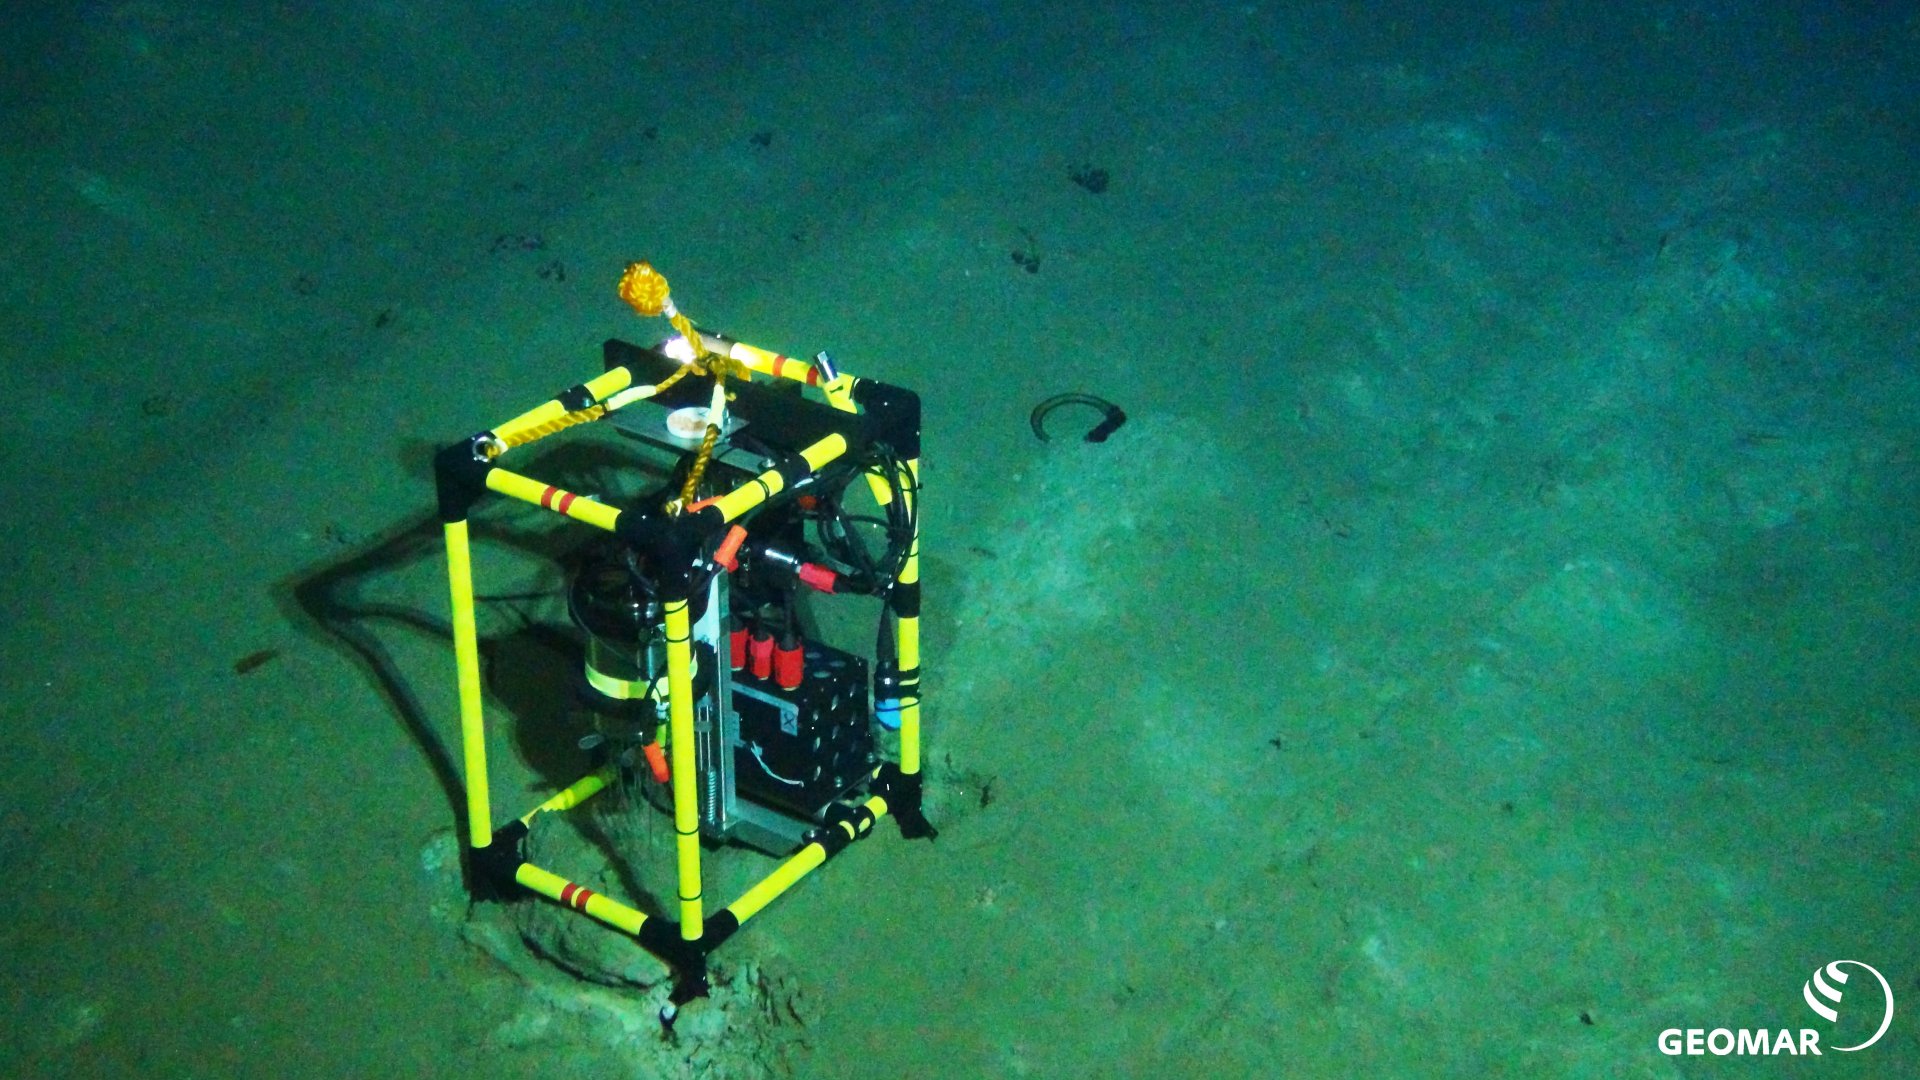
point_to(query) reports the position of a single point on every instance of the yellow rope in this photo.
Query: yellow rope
(645, 290)
(541, 431)
(699, 469)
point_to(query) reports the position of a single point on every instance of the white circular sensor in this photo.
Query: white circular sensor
(689, 423)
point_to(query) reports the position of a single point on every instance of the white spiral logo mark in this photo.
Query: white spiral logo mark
(1829, 990)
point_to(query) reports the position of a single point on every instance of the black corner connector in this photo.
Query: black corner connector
(688, 959)
(903, 794)
(894, 413)
(460, 475)
(492, 871)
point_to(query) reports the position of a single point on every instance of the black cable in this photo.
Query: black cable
(1112, 416)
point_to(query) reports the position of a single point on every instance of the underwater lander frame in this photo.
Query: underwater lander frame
(691, 603)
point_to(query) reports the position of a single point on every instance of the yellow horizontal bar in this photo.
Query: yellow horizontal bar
(580, 898)
(798, 865)
(559, 500)
(784, 877)
(768, 484)
(608, 382)
(764, 361)
(571, 796)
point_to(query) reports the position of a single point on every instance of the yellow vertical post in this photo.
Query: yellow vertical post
(907, 630)
(686, 793)
(466, 658)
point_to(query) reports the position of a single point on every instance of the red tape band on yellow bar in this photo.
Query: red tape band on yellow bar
(576, 896)
(812, 377)
(566, 499)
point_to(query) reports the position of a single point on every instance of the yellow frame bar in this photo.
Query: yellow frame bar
(906, 634)
(553, 415)
(559, 500)
(466, 662)
(681, 756)
(581, 899)
(572, 795)
(762, 361)
(736, 503)
(798, 866)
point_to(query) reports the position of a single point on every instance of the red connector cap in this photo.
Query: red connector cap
(789, 664)
(760, 654)
(737, 645)
(656, 756)
(817, 577)
(729, 553)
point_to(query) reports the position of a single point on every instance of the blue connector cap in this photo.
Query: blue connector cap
(887, 712)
